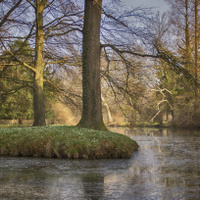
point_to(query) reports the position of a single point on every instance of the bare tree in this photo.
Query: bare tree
(48, 21)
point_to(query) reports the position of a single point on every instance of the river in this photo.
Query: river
(166, 167)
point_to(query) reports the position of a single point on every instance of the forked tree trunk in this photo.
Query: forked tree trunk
(39, 108)
(92, 105)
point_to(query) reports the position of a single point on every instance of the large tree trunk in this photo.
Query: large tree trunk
(92, 105)
(39, 109)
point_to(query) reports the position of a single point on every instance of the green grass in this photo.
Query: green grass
(64, 142)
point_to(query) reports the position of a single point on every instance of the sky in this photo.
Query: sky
(158, 4)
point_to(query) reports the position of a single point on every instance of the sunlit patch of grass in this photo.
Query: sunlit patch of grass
(64, 142)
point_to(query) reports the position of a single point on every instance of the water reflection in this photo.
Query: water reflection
(166, 167)
(93, 185)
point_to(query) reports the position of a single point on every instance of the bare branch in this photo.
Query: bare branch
(50, 3)
(128, 51)
(27, 37)
(62, 33)
(112, 17)
(62, 91)
(31, 4)
(159, 110)
(9, 12)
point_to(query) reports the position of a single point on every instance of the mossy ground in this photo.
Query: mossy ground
(64, 142)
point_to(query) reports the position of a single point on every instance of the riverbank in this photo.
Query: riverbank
(141, 125)
(64, 142)
(153, 125)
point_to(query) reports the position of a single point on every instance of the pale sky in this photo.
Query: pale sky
(159, 4)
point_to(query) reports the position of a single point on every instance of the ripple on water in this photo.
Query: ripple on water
(165, 167)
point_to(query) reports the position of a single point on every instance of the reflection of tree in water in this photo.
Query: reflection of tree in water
(167, 166)
(93, 185)
(23, 184)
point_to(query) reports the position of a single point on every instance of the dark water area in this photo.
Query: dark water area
(166, 167)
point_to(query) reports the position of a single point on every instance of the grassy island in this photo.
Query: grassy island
(64, 142)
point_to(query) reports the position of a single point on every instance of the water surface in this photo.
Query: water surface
(167, 166)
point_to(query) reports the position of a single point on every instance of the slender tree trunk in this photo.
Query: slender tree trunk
(92, 104)
(187, 37)
(196, 49)
(109, 115)
(39, 109)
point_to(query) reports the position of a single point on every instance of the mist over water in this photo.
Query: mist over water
(166, 166)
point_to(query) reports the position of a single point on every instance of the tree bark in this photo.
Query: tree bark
(92, 105)
(39, 108)
(187, 37)
(196, 50)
